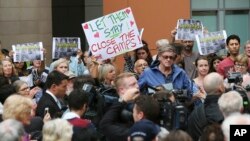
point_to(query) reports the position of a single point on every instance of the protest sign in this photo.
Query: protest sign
(211, 42)
(187, 29)
(27, 52)
(65, 46)
(112, 34)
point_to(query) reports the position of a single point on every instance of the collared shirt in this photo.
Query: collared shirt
(70, 115)
(55, 98)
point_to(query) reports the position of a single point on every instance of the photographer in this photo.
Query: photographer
(114, 124)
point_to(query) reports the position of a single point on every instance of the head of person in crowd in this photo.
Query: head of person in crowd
(144, 130)
(233, 45)
(125, 81)
(202, 66)
(78, 101)
(81, 80)
(247, 48)
(178, 135)
(166, 56)
(71, 79)
(214, 63)
(161, 42)
(38, 64)
(11, 130)
(188, 45)
(212, 132)
(230, 102)
(57, 130)
(7, 68)
(213, 84)
(86, 58)
(19, 108)
(234, 119)
(107, 74)
(21, 68)
(61, 65)
(179, 57)
(241, 64)
(143, 53)
(146, 107)
(140, 66)
(56, 83)
(22, 88)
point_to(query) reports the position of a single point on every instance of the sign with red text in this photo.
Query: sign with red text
(112, 34)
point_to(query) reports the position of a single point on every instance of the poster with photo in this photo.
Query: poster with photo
(112, 34)
(187, 29)
(27, 52)
(211, 42)
(65, 46)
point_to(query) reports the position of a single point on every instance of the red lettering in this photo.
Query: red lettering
(93, 47)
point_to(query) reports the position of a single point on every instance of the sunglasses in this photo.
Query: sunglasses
(168, 57)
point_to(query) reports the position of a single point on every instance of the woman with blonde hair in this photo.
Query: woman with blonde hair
(57, 130)
(8, 73)
(61, 65)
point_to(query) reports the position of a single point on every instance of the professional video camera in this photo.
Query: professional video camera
(180, 95)
(173, 114)
(237, 79)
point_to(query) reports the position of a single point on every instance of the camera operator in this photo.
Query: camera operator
(209, 111)
(168, 74)
(113, 125)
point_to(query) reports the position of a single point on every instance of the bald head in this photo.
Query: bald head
(213, 84)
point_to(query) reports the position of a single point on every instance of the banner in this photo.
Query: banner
(211, 42)
(187, 29)
(112, 34)
(65, 46)
(27, 52)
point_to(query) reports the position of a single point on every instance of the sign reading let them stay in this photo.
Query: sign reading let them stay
(112, 34)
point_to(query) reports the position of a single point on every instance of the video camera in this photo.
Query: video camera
(180, 94)
(235, 77)
(173, 114)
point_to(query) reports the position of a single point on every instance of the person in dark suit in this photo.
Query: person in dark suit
(56, 85)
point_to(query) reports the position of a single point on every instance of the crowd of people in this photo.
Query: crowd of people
(80, 98)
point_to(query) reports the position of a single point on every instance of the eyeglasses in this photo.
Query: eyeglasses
(25, 89)
(240, 65)
(168, 57)
(142, 65)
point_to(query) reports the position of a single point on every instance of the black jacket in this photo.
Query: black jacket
(204, 115)
(112, 124)
(48, 101)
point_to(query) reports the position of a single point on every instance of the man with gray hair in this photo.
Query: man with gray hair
(230, 102)
(166, 74)
(234, 119)
(11, 130)
(209, 111)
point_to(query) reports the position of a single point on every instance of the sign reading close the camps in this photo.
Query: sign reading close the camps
(112, 34)
(65, 46)
(28, 52)
(211, 42)
(187, 29)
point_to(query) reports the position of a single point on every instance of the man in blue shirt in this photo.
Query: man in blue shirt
(167, 74)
